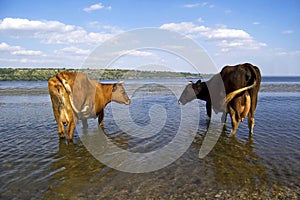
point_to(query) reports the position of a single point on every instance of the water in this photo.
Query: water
(35, 164)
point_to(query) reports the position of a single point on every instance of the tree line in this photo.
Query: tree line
(44, 74)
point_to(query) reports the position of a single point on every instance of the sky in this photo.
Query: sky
(63, 34)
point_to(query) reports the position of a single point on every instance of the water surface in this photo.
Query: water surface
(35, 164)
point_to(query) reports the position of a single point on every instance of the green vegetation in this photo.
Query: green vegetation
(43, 74)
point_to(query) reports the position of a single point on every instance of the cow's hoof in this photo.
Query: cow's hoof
(62, 137)
(232, 133)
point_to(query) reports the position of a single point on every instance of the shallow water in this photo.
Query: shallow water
(36, 164)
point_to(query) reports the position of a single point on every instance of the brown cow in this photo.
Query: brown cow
(76, 97)
(241, 84)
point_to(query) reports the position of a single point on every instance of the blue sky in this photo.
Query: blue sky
(63, 33)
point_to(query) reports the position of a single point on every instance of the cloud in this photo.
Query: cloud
(191, 5)
(19, 24)
(228, 11)
(74, 50)
(108, 28)
(195, 5)
(200, 19)
(53, 32)
(17, 50)
(27, 53)
(282, 52)
(137, 53)
(97, 6)
(287, 31)
(223, 37)
(185, 27)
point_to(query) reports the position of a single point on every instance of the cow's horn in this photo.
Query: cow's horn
(190, 82)
(120, 82)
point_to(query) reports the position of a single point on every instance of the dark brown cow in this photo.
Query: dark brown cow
(76, 97)
(234, 90)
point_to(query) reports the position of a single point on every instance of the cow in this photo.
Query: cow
(234, 90)
(75, 97)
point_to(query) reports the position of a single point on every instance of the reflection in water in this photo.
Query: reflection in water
(236, 163)
(231, 166)
(75, 170)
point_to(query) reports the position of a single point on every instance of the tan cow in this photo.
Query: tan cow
(76, 97)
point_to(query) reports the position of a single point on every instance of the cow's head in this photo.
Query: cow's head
(191, 91)
(119, 95)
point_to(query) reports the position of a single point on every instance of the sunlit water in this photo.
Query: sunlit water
(35, 164)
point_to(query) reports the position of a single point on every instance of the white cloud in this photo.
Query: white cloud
(74, 50)
(224, 37)
(195, 5)
(6, 47)
(19, 24)
(227, 33)
(184, 27)
(256, 23)
(228, 11)
(108, 28)
(191, 5)
(97, 6)
(282, 52)
(17, 50)
(200, 19)
(54, 32)
(138, 53)
(27, 53)
(287, 31)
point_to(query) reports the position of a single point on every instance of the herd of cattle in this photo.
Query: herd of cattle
(76, 97)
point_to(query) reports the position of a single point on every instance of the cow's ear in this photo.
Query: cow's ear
(115, 87)
(198, 82)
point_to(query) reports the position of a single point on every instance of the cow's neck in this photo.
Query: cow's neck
(107, 92)
(204, 94)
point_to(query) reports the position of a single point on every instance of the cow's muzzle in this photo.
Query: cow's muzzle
(128, 102)
(180, 102)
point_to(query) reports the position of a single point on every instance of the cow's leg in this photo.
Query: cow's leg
(254, 98)
(60, 125)
(100, 117)
(57, 115)
(224, 117)
(246, 107)
(84, 123)
(234, 120)
(61, 130)
(251, 120)
(71, 127)
(208, 109)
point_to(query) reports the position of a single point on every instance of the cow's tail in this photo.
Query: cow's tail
(57, 94)
(62, 79)
(231, 95)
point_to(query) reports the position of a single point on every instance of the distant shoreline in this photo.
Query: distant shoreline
(44, 74)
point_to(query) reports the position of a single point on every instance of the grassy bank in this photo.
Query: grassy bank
(43, 74)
